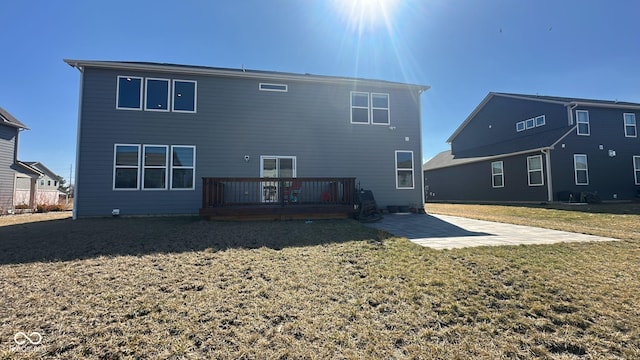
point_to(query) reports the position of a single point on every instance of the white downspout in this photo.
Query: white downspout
(570, 108)
(547, 157)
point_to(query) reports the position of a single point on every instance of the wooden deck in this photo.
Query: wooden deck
(277, 198)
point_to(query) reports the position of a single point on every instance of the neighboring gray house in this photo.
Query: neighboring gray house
(10, 128)
(517, 147)
(41, 190)
(149, 133)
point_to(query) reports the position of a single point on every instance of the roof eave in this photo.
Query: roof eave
(240, 73)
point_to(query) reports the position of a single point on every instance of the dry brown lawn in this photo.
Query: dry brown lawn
(173, 288)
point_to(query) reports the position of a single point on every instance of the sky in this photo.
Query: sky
(463, 49)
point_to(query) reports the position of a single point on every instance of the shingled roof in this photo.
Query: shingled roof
(8, 120)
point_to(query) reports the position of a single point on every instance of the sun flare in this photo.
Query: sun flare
(366, 14)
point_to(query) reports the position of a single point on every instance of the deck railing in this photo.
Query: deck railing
(237, 192)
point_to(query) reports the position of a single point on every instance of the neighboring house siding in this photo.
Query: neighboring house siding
(7, 174)
(608, 175)
(496, 123)
(310, 121)
(472, 182)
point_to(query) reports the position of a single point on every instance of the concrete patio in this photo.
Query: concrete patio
(451, 232)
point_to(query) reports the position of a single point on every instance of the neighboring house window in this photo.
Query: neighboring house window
(157, 94)
(359, 107)
(540, 120)
(583, 122)
(154, 167)
(273, 87)
(185, 93)
(41, 182)
(48, 182)
(581, 169)
(630, 125)
(636, 169)
(129, 93)
(530, 123)
(55, 183)
(126, 167)
(380, 109)
(183, 166)
(404, 169)
(520, 126)
(534, 168)
(497, 174)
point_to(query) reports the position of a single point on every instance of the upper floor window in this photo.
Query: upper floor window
(636, 169)
(184, 96)
(582, 118)
(497, 174)
(273, 87)
(380, 109)
(581, 169)
(530, 123)
(404, 169)
(359, 107)
(157, 94)
(630, 125)
(534, 169)
(129, 93)
(369, 108)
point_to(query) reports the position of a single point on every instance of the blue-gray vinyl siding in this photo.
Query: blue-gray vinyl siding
(473, 182)
(311, 121)
(7, 174)
(607, 175)
(493, 130)
(612, 177)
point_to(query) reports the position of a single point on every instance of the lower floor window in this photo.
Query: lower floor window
(404, 169)
(183, 167)
(497, 174)
(581, 169)
(149, 170)
(636, 169)
(534, 168)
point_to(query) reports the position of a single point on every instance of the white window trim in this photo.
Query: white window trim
(578, 122)
(636, 170)
(544, 120)
(529, 171)
(113, 183)
(368, 107)
(193, 186)
(146, 97)
(575, 169)
(501, 174)
(523, 126)
(118, 92)
(144, 167)
(624, 119)
(262, 88)
(413, 183)
(532, 121)
(195, 96)
(388, 109)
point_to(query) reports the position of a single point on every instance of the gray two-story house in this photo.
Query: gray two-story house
(10, 129)
(516, 147)
(174, 139)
